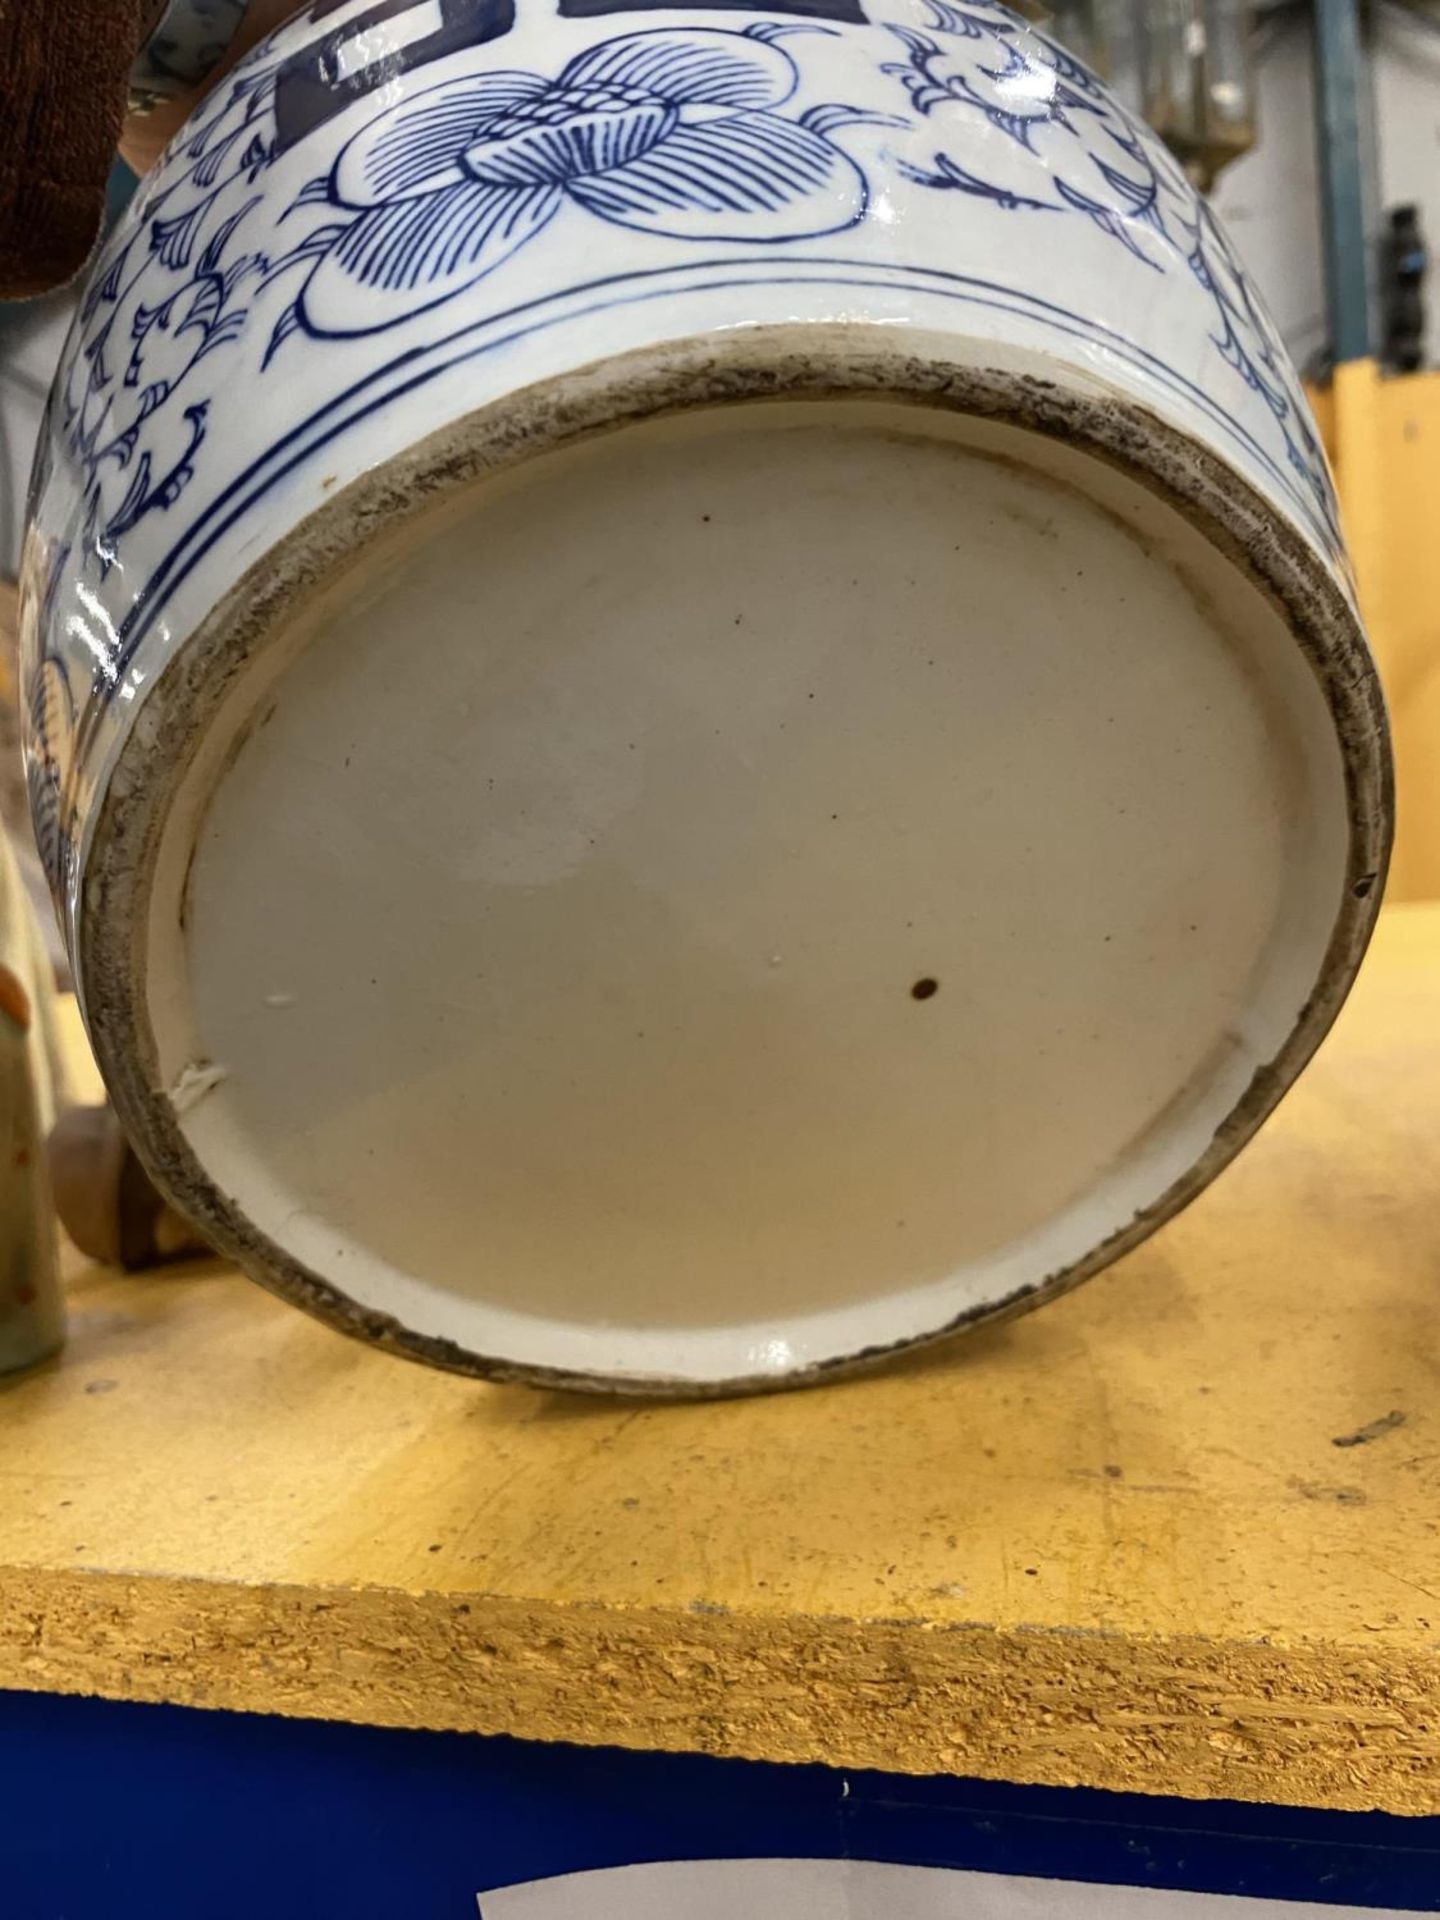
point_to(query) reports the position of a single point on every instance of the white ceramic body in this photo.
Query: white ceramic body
(411, 250)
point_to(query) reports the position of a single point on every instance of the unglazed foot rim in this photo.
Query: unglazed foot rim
(781, 364)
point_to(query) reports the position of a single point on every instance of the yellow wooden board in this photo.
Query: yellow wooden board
(1176, 1532)
(1382, 432)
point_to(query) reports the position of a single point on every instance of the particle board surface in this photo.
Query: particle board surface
(1178, 1532)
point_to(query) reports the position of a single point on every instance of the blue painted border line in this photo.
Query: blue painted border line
(165, 1812)
(323, 426)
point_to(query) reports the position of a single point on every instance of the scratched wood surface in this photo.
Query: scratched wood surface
(1177, 1532)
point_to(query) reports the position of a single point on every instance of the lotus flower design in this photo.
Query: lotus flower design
(672, 131)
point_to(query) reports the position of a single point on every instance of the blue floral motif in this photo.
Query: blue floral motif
(1108, 168)
(683, 133)
(678, 132)
(135, 401)
(672, 131)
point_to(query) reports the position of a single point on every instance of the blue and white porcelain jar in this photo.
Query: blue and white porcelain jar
(696, 707)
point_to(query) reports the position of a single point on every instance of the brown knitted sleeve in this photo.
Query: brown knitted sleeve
(64, 68)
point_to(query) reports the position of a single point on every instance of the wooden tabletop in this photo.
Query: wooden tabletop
(1175, 1532)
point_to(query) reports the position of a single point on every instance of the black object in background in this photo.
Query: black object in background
(1405, 263)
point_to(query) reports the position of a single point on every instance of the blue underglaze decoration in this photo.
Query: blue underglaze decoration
(690, 135)
(133, 412)
(674, 132)
(1107, 168)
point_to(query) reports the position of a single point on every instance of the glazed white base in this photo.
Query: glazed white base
(549, 941)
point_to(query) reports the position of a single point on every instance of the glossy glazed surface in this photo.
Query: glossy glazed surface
(377, 224)
(795, 943)
(361, 686)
